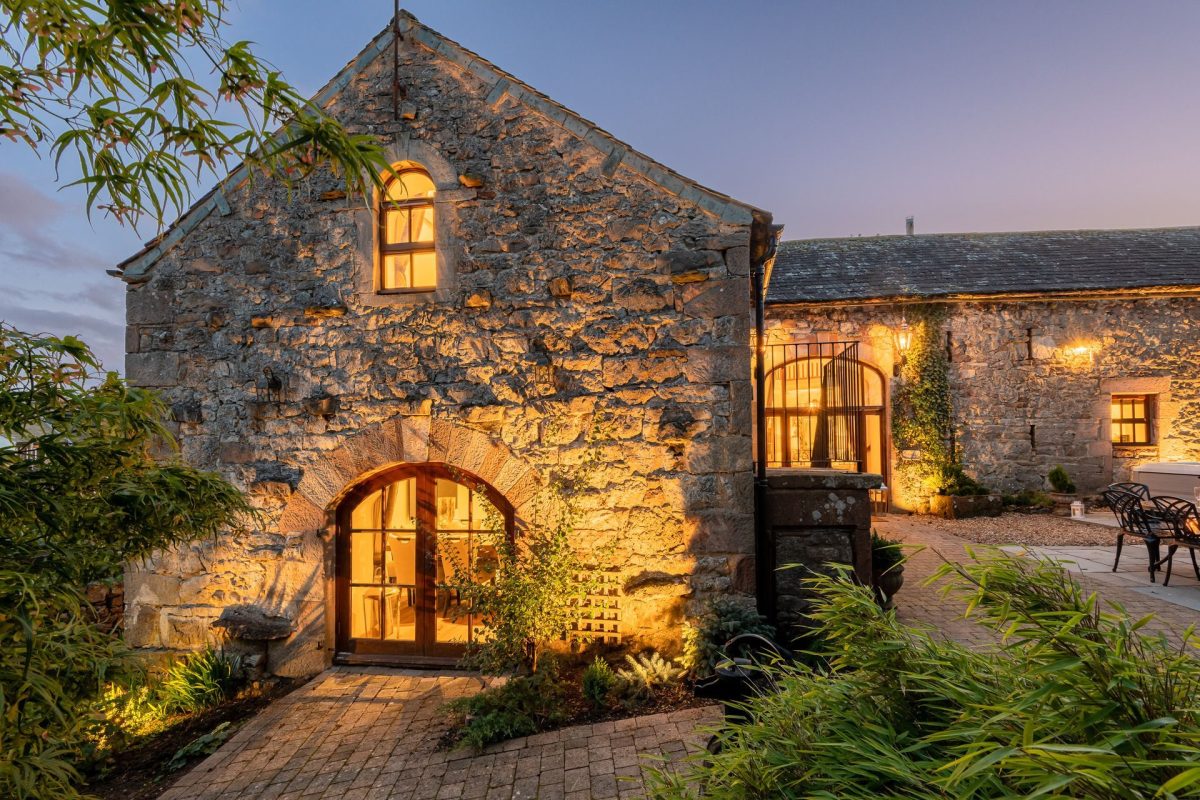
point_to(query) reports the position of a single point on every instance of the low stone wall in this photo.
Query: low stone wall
(961, 507)
(814, 519)
(108, 602)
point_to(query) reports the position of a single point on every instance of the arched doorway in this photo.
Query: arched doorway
(804, 429)
(401, 536)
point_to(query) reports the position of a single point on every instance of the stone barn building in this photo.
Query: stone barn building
(384, 381)
(1072, 348)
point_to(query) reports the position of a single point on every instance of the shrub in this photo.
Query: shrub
(885, 553)
(199, 681)
(646, 675)
(1078, 702)
(598, 680)
(521, 706)
(540, 586)
(1061, 481)
(955, 481)
(723, 619)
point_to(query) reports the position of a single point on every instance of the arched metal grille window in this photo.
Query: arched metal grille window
(407, 241)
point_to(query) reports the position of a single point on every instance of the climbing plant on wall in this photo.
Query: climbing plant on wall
(921, 412)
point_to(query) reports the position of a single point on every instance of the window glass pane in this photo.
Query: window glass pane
(399, 505)
(453, 503)
(424, 269)
(1115, 410)
(872, 388)
(453, 556)
(364, 613)
(1141, 432)
(395, 226)
(484, 516)
(485, 558)
(366, 513)
(413, 185)
(1139, 408)
(1116, 431)
(396, 272)
(422, 224)
(400, 614)
(366, 564)
(401, 558)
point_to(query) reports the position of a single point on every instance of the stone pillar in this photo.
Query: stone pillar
(814, 518)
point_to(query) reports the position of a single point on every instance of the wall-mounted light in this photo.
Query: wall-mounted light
(903, 342)
(1080, 354)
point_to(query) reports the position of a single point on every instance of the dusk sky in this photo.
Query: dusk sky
(841, 118)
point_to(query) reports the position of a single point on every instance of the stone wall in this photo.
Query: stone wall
(1049, 366)
(587, 309)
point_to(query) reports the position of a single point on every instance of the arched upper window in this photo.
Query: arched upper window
(407, 243)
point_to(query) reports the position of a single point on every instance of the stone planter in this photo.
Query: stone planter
(887, 584)
(1062, 503)
(948, 506)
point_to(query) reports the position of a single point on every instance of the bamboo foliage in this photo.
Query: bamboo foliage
(80, 495)
(147, 97)
(1077, 700)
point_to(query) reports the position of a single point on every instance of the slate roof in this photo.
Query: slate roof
(946, 265)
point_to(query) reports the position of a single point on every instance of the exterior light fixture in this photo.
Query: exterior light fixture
(903, 342)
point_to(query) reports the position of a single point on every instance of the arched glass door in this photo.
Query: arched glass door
(402, 537)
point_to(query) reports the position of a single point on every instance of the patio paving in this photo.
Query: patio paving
(369, 734)
(373, 733)
(1174, 606)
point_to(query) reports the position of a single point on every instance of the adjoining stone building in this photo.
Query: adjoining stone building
(1079, 348)
(382, 379)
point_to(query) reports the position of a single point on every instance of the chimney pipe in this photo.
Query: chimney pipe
(908, 226)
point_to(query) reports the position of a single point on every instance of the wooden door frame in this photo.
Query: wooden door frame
(425, 650)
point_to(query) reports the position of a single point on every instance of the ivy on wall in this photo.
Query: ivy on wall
(921, 411)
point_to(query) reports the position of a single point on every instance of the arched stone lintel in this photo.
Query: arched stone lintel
(407, 440)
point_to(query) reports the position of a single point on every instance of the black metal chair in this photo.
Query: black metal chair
(1135, 521)
(1183, 521)
(1140, 489)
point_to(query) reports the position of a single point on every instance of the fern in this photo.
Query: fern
(646, 675)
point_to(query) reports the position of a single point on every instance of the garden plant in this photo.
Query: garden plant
(1077, 700)
(723, 619)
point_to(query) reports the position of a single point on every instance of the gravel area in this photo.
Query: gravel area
(1027, 529)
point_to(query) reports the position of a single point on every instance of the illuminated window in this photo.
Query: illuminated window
(407, 254)
(1132, 419)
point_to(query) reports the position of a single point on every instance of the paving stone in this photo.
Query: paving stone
(324, 741)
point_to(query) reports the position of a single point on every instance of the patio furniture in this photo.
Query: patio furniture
(1182, 519)
(1140, 489)
(1135, 520)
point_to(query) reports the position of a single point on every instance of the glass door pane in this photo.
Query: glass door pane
(453, 566)
(462, 515)
(401, 591)
(383, 565)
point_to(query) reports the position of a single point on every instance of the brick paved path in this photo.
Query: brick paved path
(925, 604)
(362, 734)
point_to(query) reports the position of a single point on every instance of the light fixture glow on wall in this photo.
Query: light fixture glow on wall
(903, 342)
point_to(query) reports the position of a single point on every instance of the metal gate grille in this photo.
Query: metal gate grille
(814, 405)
